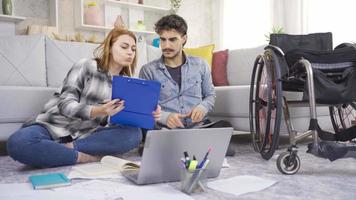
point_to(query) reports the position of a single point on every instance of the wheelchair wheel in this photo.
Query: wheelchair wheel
(342, 116)
(265, 105)
(288, 163)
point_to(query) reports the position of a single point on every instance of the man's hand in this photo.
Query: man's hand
(157, 113)
(174, 120)
(197, 114)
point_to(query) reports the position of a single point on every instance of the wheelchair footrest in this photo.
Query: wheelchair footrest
(344, 135)
(332, 150)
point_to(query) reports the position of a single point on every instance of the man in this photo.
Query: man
(187, 92)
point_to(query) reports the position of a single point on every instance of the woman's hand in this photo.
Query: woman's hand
(157, 113)
(109, 108)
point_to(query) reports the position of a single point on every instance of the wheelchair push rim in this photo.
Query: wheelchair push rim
(265, 105)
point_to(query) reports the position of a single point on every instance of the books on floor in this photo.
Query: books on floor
(107, 165)
(52, 180)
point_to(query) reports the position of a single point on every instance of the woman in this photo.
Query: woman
(71, 128)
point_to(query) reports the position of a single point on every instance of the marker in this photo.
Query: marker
(192, 165)
(187, 159)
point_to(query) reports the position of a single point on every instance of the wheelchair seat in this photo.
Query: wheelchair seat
(334, 69)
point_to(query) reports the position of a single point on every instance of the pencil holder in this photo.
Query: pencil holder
(193, 180)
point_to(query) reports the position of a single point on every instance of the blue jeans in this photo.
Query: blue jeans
(34, 146)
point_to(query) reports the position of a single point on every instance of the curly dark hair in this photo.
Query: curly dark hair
(172, 21)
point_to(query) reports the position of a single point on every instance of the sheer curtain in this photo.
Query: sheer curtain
(332, 16)
(245, 22)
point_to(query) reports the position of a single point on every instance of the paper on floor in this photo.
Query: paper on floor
(241, 184)
(93, 189)
(25, 191)
(109, 189)
(153, 192)
(74, 174)
(99, 189)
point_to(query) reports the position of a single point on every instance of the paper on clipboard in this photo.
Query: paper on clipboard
(141, 99)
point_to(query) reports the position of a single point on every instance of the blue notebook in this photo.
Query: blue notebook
(49, 180)
(141, 99)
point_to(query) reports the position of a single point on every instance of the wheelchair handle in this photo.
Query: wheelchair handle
(275, 48)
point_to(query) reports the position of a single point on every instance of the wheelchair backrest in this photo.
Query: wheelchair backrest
(314, 41)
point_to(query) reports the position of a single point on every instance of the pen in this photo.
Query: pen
(105, 102)
(201, 164)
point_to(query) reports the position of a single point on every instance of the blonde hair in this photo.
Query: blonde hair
(102, 52)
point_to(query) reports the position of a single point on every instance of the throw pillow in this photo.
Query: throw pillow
(219, 69)
(204, 52)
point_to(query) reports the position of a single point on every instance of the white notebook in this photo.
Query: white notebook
(107, 165)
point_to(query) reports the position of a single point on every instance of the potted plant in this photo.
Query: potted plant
(275, 30)
(175, 4)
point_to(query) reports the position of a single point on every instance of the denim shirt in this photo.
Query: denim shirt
(196, 90)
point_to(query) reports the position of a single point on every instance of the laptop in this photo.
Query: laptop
(163, 150)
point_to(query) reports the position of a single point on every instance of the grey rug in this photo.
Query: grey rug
(317, 179)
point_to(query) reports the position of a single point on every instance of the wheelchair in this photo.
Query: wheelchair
(306, 64)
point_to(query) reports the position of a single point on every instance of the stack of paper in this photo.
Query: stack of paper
(241, 184)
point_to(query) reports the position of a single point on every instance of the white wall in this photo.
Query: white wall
(244, 23)
(198, 14)
(334, 17)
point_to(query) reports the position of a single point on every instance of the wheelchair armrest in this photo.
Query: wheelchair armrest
(346, 44)
(275, 49)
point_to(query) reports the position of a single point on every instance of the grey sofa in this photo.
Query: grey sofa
(31, 70)
(232, 102)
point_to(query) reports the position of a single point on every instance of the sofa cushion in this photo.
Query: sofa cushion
(18, 104)
(233, 101)
(22, 61)
(240, 64)
(204, 52)
(60, 57)
(218, 70)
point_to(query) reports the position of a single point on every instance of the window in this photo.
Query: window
(245, 23)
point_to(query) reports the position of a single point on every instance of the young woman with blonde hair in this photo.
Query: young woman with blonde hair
(73, 126)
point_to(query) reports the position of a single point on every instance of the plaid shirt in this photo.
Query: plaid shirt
(68, 113)
(196, 87)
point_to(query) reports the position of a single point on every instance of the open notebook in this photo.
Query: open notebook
(107, 165)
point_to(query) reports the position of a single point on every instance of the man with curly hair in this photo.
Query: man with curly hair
(187, 93)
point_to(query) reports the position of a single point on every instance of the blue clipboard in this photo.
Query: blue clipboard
(141, 99)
